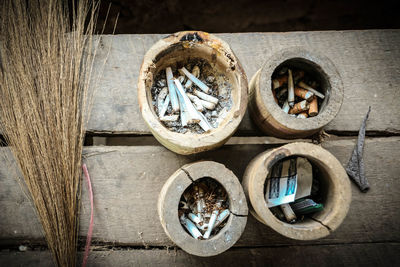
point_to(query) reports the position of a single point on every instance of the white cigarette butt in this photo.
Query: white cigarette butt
(164, 107)
(170, 118)
(172, 91)
(206, 97)
(196, 81)
(211, 224)
(290, 89)
(309, 88)
(191, 227)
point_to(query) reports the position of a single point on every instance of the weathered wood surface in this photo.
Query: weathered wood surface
(127, 181)
(368, 62)
(378, 254)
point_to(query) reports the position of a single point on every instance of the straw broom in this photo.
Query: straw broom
(45, 72)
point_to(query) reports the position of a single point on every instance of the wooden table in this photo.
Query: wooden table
(128, 172)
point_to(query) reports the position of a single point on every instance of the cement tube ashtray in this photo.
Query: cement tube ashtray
(233, 210)
(280, 119)
(192, 91)
(334, 183)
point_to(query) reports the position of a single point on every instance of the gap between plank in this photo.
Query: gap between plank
(109, 246)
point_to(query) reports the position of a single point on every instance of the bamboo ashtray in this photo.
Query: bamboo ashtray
(177, 49)
(170, 196)
(334, 182)
(267, 114)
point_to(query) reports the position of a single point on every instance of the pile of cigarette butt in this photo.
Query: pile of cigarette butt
(296, 93)
(203, 209)
(191, 101)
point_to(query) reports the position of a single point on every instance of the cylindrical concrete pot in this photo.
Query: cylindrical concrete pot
(267, 114)
(170, 196)
(180, 47)
(335, 187)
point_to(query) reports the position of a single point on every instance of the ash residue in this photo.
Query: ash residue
(216, 81)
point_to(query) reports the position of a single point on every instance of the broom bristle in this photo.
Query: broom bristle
(45, 70)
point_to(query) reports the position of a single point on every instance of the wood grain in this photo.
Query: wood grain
(368, 62)
(377, 254)
(127, 181)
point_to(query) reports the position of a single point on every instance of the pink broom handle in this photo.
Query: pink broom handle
(90, 231)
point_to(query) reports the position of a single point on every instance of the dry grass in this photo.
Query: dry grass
(44, 87)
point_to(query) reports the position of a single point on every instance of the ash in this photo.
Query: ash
(217, 82)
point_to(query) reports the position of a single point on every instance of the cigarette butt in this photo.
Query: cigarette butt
(172, 90)
(160, 99)
(299, 107)
(194, 218)
(191, 227)
(278, 82)
(221, 217)
(207, 105)
(181, 79)
(302, 115)
(196, 101)
(313, 110)
(192, 115)
(164, 106)
(309, 88)
(290, 88)
(303, 93)
(206, 97)
(193, 78)
(281, 92)
(289, 213)
(196, 73)
(169, 118)
(274, 95)
(285, 107)
(211, 224)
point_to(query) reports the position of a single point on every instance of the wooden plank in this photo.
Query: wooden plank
(127, 181)
(368, 62)
(377, 254)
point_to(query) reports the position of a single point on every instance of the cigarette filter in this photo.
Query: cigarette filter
(313, 111)
(299, 107)
(303, 93)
